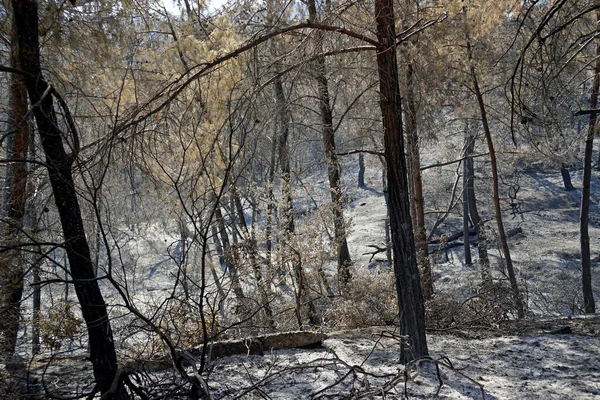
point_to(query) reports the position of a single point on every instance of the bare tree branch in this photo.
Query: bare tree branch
(374, 152)
(453, 161)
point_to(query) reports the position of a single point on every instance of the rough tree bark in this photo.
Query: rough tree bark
(386, 225)
(59, 165)
(498, 210)
(589, 303)
(408, 285)
(11, 262)
(416, 183)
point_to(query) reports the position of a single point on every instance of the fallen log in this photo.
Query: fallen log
(452, 237)
(258, 345)
(435, 245)
(433, 248)
(261, 344)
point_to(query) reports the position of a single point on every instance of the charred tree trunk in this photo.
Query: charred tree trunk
(484, 261)
(181, 259)
(333, 165)
(494, 164)
(361, 170)
(284, 158)
(303, 301)
(32, 224)
(289, 227)
(263, 287)
(270, 210)
(566, 177)
(287, 213)
(386, 225)
(226, 256)
(416, 183)
(589, 303)
(11, 262)
(59, 164)
(465, 201)
(410, 297)
(37, 305)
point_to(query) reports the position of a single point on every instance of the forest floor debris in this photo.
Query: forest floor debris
(535, 361)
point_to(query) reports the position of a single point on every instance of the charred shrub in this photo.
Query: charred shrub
(369, 300)
(487, 309)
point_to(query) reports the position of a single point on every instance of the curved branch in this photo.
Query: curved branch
(408, 33)
(189, 76)
(374, 152)
(570, 21)
(453, 161)
(70, 123)
(520, 60)
(315, 57)
(17, 71)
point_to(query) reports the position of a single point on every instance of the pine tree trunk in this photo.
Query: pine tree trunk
(386, 225)
(333, 165)
(408, 285)
(287, 213)
(32, 225)
(566, 177)
(226, 256)
(270, 211)
(182, 258)
(361, 170)
(494, 164)
(93, 306)
(284, 157)
(589, 303)
(465, 203)
(416, 183)
(11, 261)
(37, 305)
(484, 261)
(289, 227)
